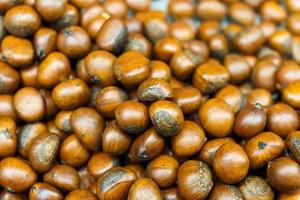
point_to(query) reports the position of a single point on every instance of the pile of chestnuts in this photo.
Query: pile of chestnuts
(116, 100)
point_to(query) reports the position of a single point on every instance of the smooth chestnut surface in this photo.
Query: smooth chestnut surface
(163, 170)
(286, 169)
(88, 125)
(223, 191)
(16, 175)
(233, 155)
(141, 99)
(216, 117)
(188, 99)
(191, 134)
(282, 119)
(101, 162)
(209, 149)
(43, 190)
(63, 177)
(132, 116)
(263, 148)
(250, 121)
(144, 188)
(146, 146)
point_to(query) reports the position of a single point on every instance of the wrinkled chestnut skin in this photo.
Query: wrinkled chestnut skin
(115, 183)
(43, 151)
(167, 117)
(154, 89)
(255, 187)
(194, 180)
(293, 143)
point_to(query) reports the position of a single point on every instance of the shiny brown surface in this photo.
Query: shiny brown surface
(263, 148)
(233, 155)
(216, 117)
(277, 171)
(140, 99)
